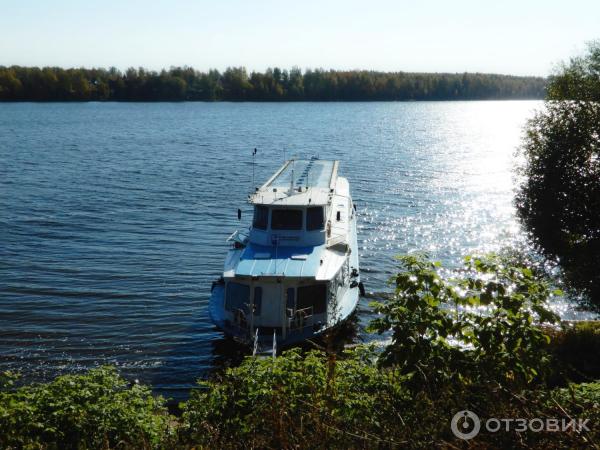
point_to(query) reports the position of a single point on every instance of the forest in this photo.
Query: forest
(236, 84)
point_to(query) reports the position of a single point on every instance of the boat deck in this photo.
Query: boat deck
(313, 181)
(307, 173)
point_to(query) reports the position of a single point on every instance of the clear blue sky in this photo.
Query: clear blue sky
(503, 36)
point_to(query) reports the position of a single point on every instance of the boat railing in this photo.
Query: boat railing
(240, 318)
(300, 318)
(238, 238)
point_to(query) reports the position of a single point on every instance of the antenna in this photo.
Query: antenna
(253, 155)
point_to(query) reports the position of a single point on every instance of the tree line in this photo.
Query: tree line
(236, 84)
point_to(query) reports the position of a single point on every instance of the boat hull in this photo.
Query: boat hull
(219, 318)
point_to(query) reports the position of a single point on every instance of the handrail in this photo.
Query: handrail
(276, 174)
(300, 317)
(240, 318)
(238, 236)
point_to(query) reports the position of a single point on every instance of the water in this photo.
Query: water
(113, 217)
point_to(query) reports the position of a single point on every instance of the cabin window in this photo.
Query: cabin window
(291, 299)
(286, 219)
(261, 217)
(314, 218)
(257, 300)
(237, 296)
(315, 296)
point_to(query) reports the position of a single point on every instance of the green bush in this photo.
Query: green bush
(293, 403)
(559, 197)
(443, 356)
(480, 328)
(98, 410)
(574, 402)
(296, 401)
(471, 343)
(576, 348)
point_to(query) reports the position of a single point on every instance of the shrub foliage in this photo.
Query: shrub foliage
(98, 410)
(442, 356)
(474, 343)
(489, 314)
(559, 197)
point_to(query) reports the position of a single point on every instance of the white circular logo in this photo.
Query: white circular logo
(465, 425)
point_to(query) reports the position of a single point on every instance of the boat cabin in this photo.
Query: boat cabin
(285, 275)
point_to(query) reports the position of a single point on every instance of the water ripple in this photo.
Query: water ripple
(113, 218)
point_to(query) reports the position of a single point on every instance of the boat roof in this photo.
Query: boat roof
(257, 260)
(317, 262)
(299, 182)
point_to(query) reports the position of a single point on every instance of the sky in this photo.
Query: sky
(521, 37)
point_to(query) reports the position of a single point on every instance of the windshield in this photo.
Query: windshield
(261, 217)
(314, 218)
(286, 219)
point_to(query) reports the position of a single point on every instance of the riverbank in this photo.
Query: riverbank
(404, 395)
(307, 400)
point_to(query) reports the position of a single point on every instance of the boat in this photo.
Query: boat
(294, 273)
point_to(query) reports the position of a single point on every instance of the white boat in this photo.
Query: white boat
(294, 273)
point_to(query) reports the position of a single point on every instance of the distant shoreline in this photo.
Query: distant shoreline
(54, 84)
(267, 101)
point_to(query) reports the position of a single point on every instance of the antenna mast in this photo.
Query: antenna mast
(253, 155)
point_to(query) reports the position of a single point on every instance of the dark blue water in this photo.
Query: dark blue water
(113, 217)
